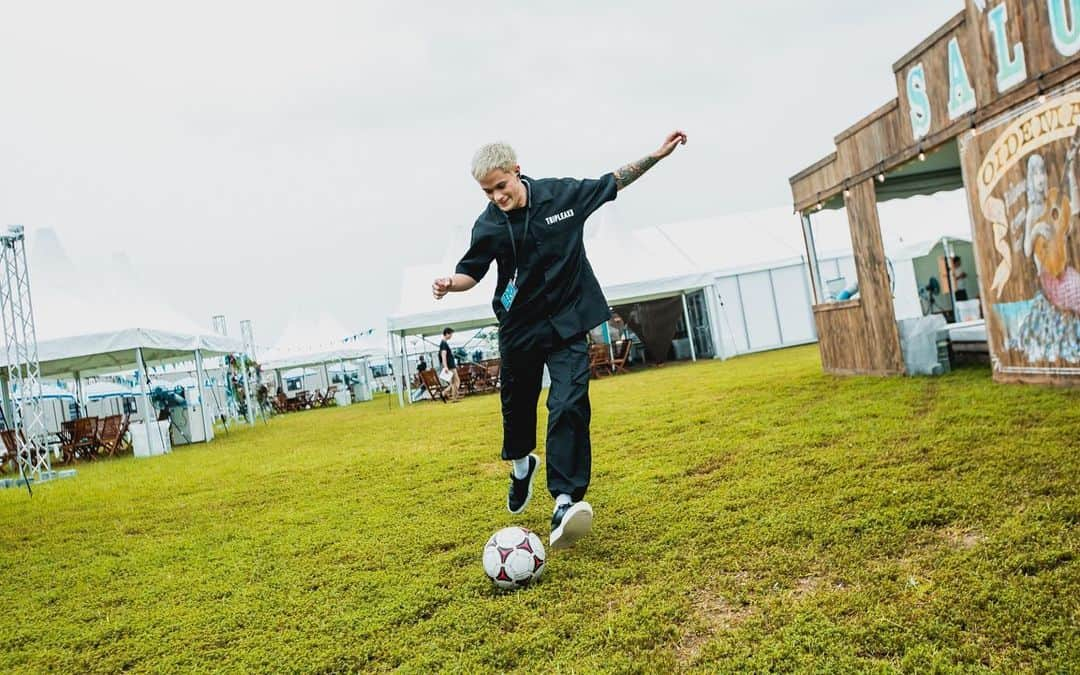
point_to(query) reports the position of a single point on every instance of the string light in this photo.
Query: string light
(847, 193)
(881, 178)
(922, 156)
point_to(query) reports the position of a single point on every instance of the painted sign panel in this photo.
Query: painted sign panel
(1021, 177)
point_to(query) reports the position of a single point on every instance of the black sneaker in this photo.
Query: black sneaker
(570, 523)
(521, 489)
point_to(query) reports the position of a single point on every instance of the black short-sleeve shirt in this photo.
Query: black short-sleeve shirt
(556, 285)
(444, 346)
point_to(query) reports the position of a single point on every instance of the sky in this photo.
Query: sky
(270, 160)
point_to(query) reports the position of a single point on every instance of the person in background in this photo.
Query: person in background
(961, 279)
(449, 366)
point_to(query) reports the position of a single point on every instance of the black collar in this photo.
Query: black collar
(539, 191)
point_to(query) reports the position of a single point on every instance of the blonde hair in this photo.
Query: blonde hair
(493, 156)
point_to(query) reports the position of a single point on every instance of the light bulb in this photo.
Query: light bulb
(881, 178)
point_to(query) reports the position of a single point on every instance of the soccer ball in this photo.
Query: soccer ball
(514, 558)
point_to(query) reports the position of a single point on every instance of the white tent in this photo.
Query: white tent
(317, 342)
(97, 316)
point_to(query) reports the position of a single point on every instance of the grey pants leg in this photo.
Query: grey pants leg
(569, 450)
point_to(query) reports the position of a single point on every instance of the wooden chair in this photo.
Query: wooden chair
(78, 439)
(300, 401)
(492, 372)
(9, 452)
(280, 403)
(331, 393)
(86, 438)
(113, 435)
(599, 360)
(467, 378)
(621, 350)
(433, 385)
(11, 449)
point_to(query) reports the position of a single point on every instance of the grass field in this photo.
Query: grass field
(751, 515)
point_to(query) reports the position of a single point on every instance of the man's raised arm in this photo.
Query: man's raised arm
(629, 173)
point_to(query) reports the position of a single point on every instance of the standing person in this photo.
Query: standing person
(961, 279)
(449, 365)
(546, 300)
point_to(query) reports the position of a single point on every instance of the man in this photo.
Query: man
(960, 276)
(449, 365)
(546, 300)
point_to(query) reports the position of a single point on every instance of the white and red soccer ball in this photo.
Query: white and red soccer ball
(514, 557)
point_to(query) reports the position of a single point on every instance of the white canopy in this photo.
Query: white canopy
(99, 329)
(319, 340)
(115, 350)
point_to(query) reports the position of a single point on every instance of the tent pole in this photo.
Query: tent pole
(711, 293)
(200, 373)
(405, 368)
(79, 410)
(689, 328)
(247, 390)
(812, 258)
(396, 380)
(148, 418)
(9, 411)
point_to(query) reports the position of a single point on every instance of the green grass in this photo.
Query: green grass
(751, 515)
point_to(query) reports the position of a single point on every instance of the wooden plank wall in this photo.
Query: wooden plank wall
(841, 337)
(816, 182)
(867, 145)
(861, 336)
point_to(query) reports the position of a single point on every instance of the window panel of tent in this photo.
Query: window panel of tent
(731, 316)
(793, 304)
(759, 309)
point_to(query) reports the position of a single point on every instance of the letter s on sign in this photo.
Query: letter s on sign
(919, 101)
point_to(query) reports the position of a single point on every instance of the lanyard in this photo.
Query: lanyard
(510, 229)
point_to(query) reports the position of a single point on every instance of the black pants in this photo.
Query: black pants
(569, 452)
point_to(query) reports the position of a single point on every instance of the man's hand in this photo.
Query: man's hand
(675, 138)
(441, 286)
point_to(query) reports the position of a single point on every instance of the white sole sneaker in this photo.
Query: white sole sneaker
(575, 524)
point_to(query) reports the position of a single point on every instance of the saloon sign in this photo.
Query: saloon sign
(997, 47)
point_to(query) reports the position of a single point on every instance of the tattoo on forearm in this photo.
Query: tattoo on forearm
(632, 171)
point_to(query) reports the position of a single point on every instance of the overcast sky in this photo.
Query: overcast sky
(264, 158)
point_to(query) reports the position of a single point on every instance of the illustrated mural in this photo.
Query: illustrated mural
(1026, 208)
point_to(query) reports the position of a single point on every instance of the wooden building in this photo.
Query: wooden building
(988, 103)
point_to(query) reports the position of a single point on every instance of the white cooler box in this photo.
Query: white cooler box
(160, 440)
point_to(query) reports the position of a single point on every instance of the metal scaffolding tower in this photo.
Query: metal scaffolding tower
(27, 418)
